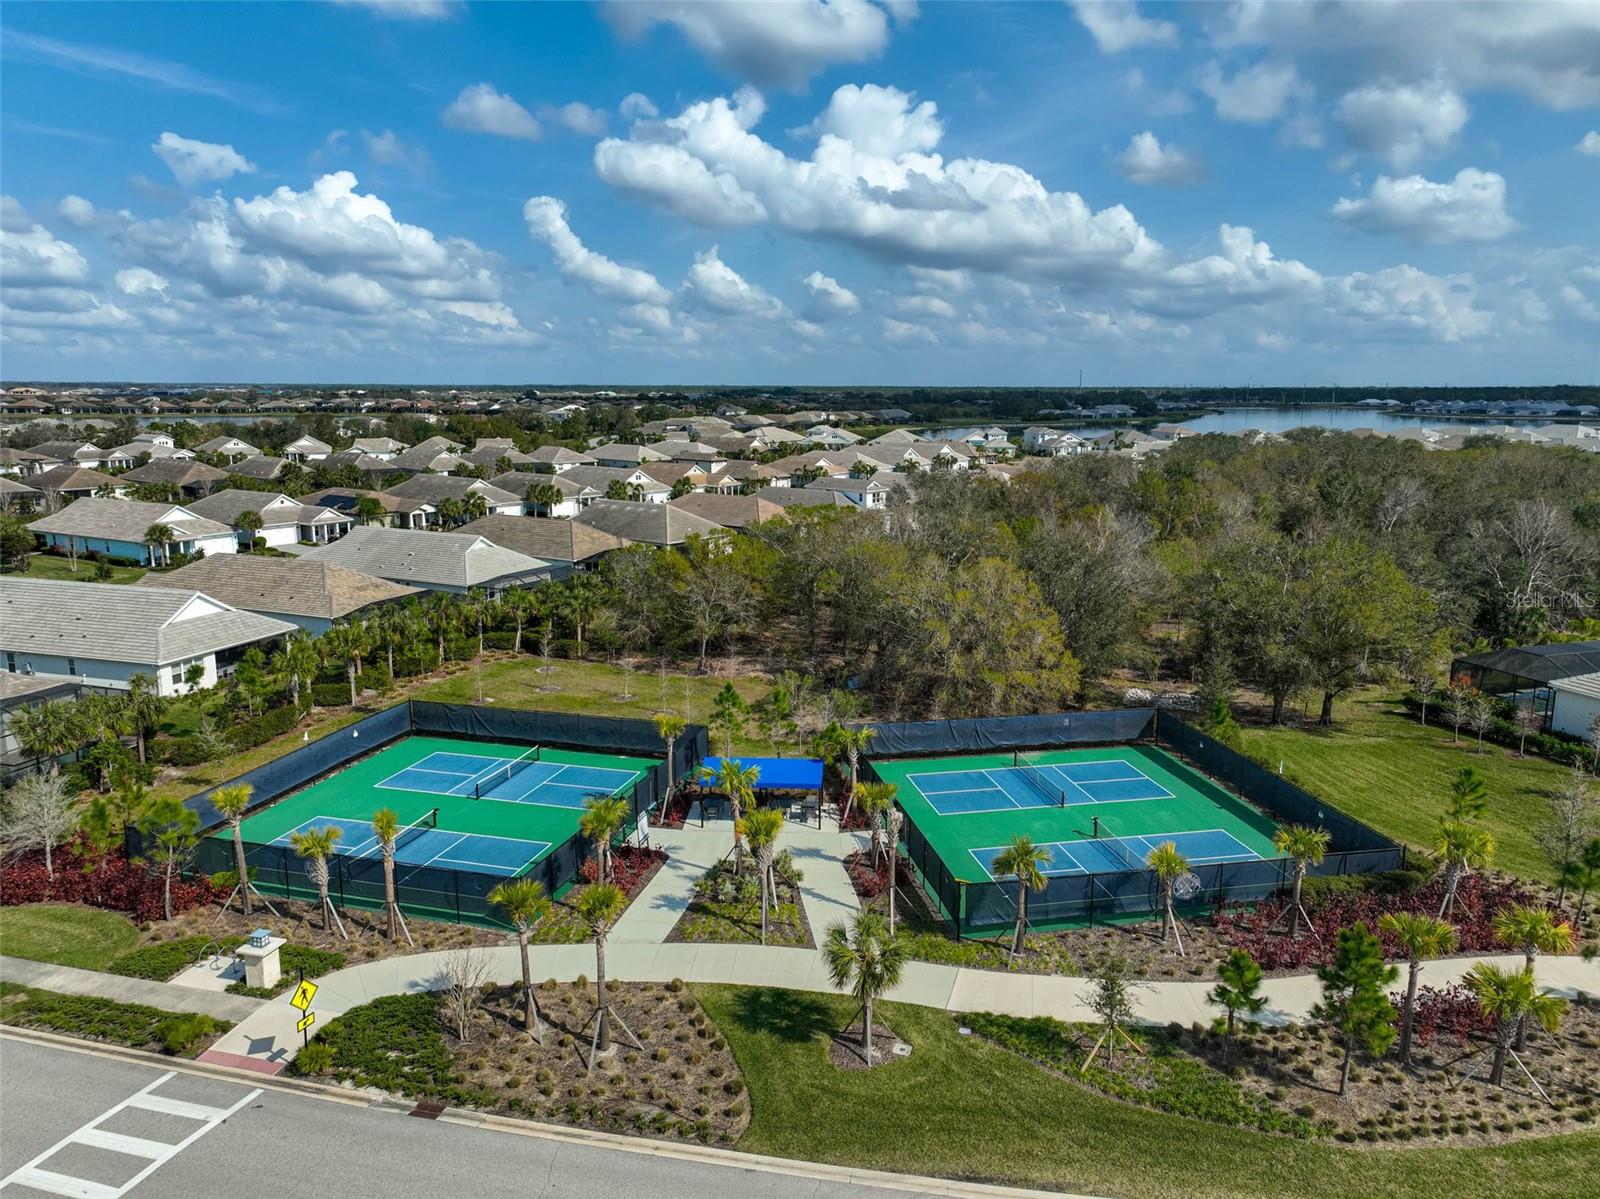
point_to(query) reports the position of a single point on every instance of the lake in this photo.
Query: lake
(1268, 420)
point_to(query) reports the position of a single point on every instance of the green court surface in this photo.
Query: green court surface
(971, 806)
(517, 822)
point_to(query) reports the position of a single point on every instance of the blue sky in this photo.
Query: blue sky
(857, 191)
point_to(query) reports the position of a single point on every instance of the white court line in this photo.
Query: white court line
(158, 1153)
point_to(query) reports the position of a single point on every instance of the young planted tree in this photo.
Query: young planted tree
(1584, 875)
(1480, 716)
(1459, 848)
(600, 906)
(737, 782)
(1512, 1000)
(144, 707)
(1305, 847)
(1420, 937)
(875, 800)
(865, 959)
(1112, 1001)
(669, 728)
(729, 714)
(1469, 795)
(171, 832)
(525, 904)
(1355, 1001)
(1238, 987)
(602, 819)
(1533, 930)
(315, 847)
(1025, 862)
(386, 828)
(894, 820)
(39, 812)
(48, 731)
(231, 803)
(1527, 722)
(761, 829)
(1169, 866)
(1455, 703)
(1574, 822)
(853, 743)
(247, 523)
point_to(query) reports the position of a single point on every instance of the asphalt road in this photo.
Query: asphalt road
(289, 1144)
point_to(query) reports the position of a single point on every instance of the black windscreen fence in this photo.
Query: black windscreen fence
(427, 891)
(986, 908)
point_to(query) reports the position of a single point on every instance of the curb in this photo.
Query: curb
(643, 1146)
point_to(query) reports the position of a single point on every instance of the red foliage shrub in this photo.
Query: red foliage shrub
(676, 811)
(1477, 901)
(872, 881)
(631, 866)
(1445, 1011)
(112, 882)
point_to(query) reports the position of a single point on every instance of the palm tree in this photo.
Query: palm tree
(761, 829)
(370, 510)
(599, 906)
(231, 803)
(1461, 848)
(1169, 866)
(315, 847)
(581, 602)
(1534, 930)
(296, 663)
(602, 820)
(1421, 936)
(867, 960)
(853, 742)
(1510, 999)
(876, 799)
(525, 904)
(386, 827)
(1469, 795)
(1304, 847)
(542, 495)
(1025, 862)
(738, 782)
(344, 643)
(444, 614)
(145, 707)
(249, 523)
(519, 605)
(47, 731)
(159, 538)
(480, 609)
(669, 728)
(451, 512)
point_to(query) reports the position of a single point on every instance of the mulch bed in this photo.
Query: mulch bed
(713, 917)
(844, 1048)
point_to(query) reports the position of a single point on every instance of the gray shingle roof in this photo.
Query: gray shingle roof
(618, 452)
(729, 511)
(225, 507)
(541, 537)
(434, 488)
(263, 466)
(232, 445)
(654, 524)
(72, 478)
(601, 477)
(289, 585)
(559, 455)
(124, 520)
(424, 558)
(148, 626)
(11, 487)
(177, 471)
(517, 483)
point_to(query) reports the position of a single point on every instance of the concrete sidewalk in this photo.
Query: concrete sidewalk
(268, 1039)
(69, 980)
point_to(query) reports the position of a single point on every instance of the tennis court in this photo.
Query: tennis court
(1107, 855)
(525, 779)
(1097, 811)
(444, 791)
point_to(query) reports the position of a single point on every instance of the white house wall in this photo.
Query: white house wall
(1572, 713)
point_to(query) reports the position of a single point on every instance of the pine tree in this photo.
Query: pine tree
(1355, 1002)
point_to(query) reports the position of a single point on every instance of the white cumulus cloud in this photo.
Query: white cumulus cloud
(714, 284)
(482, 109)
(1402, 123)
(576, 118)
(1470, 207)
(1589, 144)
(1117, 25)
(546, 218)
(828, 297)
(1146, 160)
(1253, 95)
(194, 162)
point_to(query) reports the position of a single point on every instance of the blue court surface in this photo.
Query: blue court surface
(476, 852)
(1114, 855)
(1066, 784)
(509, 780)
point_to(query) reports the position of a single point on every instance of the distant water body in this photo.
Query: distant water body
(1270, 420)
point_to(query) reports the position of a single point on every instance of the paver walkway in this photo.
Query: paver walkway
(69, 980)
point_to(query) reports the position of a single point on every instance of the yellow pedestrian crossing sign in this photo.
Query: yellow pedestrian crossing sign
(306, 1022)
(303, 994)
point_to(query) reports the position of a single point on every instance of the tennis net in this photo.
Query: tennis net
(504, 774)
(1114, 844)
(428, 820)
(1039, 781)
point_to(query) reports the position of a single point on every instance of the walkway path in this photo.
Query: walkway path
(69, 980)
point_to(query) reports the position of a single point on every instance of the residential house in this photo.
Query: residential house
(625, 457)
(398, 512)
(105, 633)
(379, 447)
(63, 484)
(310, 595)
(1575, 705)
(72, 453)
(22, 462)
(802, 497)
(435, 454)
(135, 451)
(865, 494)
(831, 438)
(572, 495)
(375, 469)
(230, 448)
(307, 449)
(17, 496)
(284, 521)
(571, 546)
(118, 528)
(741, 474)
(658, 524)
(263, 468)
(556, 459)
(190, 479)
(634, 481)
(450, 562)
(19, 691)
(897, 437)
(729, 511)
(494, 457)
(1052, 443)
(441, 489)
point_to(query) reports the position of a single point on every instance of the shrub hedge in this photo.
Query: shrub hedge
(93, 1018)
(161, 960)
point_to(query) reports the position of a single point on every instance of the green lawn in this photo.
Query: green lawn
(1391, 772)
(962, 1108)
(49, 566)
(66, 935)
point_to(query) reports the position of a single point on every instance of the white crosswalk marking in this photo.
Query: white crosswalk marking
(34, 1176)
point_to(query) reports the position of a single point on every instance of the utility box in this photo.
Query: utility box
(261, 967)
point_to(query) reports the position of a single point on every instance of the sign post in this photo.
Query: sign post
(301, 1001)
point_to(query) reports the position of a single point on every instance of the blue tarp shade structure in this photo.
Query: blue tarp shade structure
(779, 774)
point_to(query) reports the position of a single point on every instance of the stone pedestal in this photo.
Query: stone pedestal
(261, 967)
